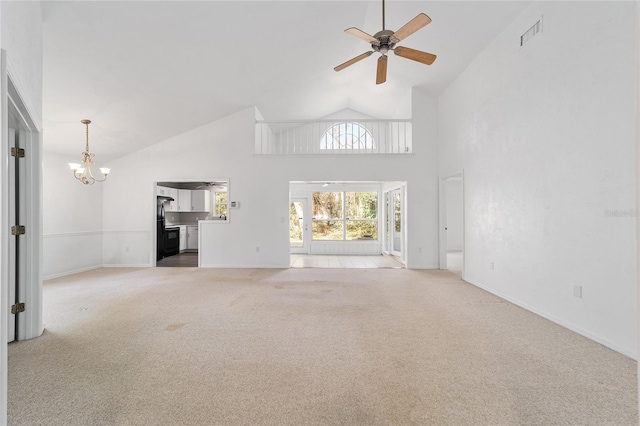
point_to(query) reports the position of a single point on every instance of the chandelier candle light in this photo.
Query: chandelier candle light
(83, 172)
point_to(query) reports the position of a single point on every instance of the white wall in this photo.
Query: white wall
(21, 29)
(72, 222)
(261, 185)
(546, 137)
(454, 214)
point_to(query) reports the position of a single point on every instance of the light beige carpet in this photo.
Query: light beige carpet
(188, 346)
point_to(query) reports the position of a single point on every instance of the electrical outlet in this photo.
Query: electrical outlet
(491, 266)
(258, 249)
(577, 291)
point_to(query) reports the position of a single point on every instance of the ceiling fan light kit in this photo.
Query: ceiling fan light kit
(386, 40)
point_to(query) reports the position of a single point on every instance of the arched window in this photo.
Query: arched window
(347, 136)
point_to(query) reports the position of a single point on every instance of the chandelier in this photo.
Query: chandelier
(82, 172)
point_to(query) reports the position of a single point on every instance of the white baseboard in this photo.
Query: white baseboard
(75, 271)
(428, 266)
(132, 265)
(586, 333)
(227, 266)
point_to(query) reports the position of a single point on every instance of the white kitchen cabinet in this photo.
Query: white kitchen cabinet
(192, 238)
(163, 191)
(184, 200)
(201, 200)
(183, 238)
(172, 206)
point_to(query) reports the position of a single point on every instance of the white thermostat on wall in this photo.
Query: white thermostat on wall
(235, 204)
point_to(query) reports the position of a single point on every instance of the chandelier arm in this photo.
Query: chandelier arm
(100, 180)
(88, 178)
(90, 173)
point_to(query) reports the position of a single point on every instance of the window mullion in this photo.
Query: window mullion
(344, 217)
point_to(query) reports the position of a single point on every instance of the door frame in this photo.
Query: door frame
(389, 221)
(400, 191)
(4, 238)
(442, 219)
(306, 231)
(31, 324)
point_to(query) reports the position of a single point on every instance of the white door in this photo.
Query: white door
(396, 214)
(451, 201)
(387, 223)
(299, 225)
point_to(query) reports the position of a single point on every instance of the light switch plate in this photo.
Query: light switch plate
(577, 291)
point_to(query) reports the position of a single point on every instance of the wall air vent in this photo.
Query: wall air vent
(531, 32)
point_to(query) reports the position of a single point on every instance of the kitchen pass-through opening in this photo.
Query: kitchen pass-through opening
(179, 210)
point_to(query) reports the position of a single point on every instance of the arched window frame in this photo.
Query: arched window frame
(347, 136)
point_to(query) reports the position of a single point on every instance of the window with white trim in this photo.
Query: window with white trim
(347, 136)
(221, 203)
(344, 216)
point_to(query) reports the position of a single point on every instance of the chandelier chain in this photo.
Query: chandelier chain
(87, 146)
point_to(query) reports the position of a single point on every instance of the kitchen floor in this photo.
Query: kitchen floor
(182, 260)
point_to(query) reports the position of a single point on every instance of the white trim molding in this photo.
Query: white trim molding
(586, 333)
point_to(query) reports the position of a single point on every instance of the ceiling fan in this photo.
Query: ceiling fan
(385, 40)
(221, 185)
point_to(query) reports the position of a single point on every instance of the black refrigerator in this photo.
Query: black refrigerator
(160, 237)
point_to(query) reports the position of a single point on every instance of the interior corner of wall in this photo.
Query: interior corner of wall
(259, 116)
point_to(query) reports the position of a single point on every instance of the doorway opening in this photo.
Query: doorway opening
(180, 207)
(452, 223)
(298, 227)
(346, 224)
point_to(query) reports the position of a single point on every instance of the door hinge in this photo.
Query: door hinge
(17, 308)
(18, 230)
(17, 152)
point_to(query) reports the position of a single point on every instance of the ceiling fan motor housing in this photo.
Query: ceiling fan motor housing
(384, 43)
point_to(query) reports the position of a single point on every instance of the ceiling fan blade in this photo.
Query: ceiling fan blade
(411, 27)
(353, 61)
(415, 55)
(361, 35)
(381, 75)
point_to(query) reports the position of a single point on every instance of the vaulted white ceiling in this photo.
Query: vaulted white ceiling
(144, 71)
